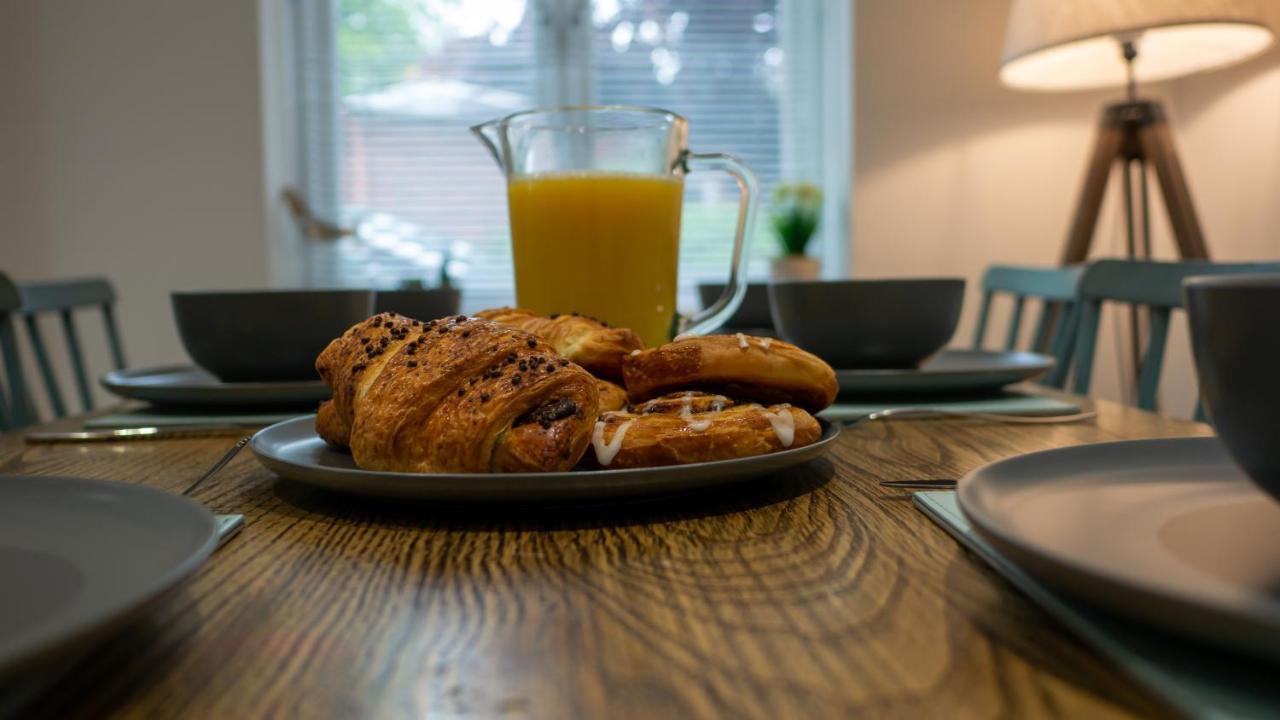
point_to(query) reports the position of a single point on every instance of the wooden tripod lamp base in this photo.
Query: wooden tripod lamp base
(1130, 133)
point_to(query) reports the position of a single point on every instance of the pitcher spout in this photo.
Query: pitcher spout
(490, 133)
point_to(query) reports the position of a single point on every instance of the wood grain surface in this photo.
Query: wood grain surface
(815, 593)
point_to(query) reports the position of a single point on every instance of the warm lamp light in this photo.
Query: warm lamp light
(1076, 44)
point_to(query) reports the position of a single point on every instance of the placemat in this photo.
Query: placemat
(1200, 681)
(1008, 403)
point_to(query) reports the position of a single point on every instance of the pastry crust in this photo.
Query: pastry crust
(612, 397)
(583, 340)
(661, 432)
(454, 395)
(740, 366)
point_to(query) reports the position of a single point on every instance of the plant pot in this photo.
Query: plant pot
(796, 267)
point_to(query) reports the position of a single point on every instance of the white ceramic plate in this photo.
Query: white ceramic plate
(1169, 532)
(292, 449)
(189, 386)
(79, 557)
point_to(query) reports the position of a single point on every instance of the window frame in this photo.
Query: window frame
(303, 150)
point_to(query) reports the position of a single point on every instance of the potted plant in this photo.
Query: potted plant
(794, 213)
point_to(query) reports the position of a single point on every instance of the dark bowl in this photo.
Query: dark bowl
(753, 314)
(862, 324)
(1237, 352)
(265, 335)
(418, 304)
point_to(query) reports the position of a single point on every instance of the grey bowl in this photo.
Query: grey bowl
(418, 304)
(860, 324)
(265, 335)
(753, 314)
(1237, 353)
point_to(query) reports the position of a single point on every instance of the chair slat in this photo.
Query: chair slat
(113, 335)
(77, 360)
(1153, 358)
(1086, 339)
(1015, 323)
(46, 368)
(980, 332)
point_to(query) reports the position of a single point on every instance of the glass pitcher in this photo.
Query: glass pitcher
(594, 195)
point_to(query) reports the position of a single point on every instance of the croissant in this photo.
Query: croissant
(584, 340)
(749, 368)
(454, 395)
(691, 427)
(612, 397)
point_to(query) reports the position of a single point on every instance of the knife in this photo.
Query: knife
(138, 433)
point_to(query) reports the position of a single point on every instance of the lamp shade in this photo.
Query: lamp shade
(1074, 44)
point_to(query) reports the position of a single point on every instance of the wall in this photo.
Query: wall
(131, 133)
(954, 171)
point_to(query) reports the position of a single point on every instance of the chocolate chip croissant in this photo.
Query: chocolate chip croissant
(584, 340)
(454, 395)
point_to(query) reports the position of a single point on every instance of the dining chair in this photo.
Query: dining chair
(64, 298)
(1055, 289)
(15, 405)
(1156, 286)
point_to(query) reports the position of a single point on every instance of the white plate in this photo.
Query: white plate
(291, 449)
(189, 386)
(79, 557)
(1169, 532)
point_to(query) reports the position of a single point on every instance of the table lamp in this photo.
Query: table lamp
(1078, 44)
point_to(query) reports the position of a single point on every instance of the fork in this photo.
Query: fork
(992, 417)
(228, 525)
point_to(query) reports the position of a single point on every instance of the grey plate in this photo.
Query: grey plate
(951, 371)
(78, 557)
(190, 386)
(292, 449)
(1166, 531)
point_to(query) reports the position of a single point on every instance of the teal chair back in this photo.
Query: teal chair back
(62, 298)
(1055, 289)
(15, 404)
(1154, 285)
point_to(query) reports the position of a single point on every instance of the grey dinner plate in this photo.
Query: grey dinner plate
(951, 371)
(79, 557)
(189, 386)
(292, 450)
(1168, 532)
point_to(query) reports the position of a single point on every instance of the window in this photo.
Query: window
(388, 89)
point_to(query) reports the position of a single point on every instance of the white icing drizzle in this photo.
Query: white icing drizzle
(742, 341)
(635, 353)
(784, 424)
(766, 342)
(717, 403)
(686, 414)
(606, 452)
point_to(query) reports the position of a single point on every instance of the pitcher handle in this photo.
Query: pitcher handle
(715, 315)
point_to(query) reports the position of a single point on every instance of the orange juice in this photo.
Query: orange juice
(600, 244)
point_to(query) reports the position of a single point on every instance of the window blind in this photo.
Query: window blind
(410, 77)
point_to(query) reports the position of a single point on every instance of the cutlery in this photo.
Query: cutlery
(221, 463)
(228, 525)
(137, 433)
(993, 417)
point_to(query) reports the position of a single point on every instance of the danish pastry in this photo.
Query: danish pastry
(612, 397)
(749, 368)
(583, 340)
(454, 395)
(692, 427)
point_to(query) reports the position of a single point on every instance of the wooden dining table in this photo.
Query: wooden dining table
(812, 593)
